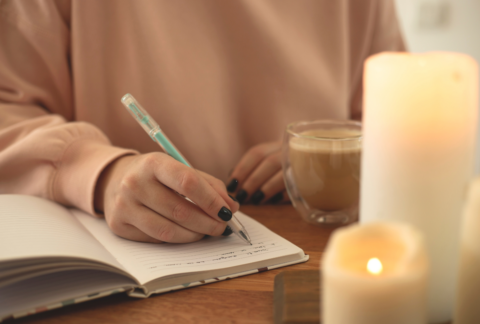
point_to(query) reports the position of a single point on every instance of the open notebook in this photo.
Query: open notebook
(51, 257)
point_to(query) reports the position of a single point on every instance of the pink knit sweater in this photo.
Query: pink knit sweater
(218, 76)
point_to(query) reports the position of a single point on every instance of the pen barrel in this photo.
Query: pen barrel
(152, 128)
(169, 148)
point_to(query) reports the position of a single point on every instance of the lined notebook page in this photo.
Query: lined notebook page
(34, 227)
(148, 261)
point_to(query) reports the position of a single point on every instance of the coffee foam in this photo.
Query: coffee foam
(321, 141)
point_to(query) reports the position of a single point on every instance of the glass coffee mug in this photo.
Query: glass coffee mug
(321, 168)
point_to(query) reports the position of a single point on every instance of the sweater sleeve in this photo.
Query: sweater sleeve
(43, 151)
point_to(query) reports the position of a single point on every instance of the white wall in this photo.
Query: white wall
(450, 25)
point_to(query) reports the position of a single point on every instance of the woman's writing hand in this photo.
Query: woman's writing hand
(139, 195)
(258, 176)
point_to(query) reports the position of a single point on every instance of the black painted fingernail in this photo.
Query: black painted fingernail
(275, 199)
(257, 197)
(241, 196)
(233, 198)
(225, 214)
(227, 231)
(232, 186)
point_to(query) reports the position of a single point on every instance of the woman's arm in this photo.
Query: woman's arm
(42, 152)
(45, 152)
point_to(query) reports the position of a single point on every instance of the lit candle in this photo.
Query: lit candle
(467, 310)
(374, 274)
(420, 115)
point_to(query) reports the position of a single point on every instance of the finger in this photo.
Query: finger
(249, 162)
(119, 225)
(191, 184)
(132, 233)
(219, 186)
(273, 186)
(267, 169)
(177, 209)
(162, 229)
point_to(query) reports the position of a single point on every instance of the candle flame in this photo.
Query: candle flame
(374, 266)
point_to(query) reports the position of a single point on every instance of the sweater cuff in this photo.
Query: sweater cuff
(80, 167)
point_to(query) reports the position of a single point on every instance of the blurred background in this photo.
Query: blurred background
(449, 25)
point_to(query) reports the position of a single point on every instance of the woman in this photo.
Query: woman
(222, 78)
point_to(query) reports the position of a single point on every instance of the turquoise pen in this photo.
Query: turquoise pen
(153, 130)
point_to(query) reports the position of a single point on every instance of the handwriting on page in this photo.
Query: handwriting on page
(225, 256)
(155, 258)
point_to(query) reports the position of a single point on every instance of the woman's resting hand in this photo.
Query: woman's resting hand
(140, 197)
(258, 176)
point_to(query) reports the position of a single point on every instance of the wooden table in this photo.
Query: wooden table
(247, 299)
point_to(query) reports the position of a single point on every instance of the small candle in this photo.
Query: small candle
(420, 118)
(375, 274)
(467, 310)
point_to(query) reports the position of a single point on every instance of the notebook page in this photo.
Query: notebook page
(148, 261)
(34, 227)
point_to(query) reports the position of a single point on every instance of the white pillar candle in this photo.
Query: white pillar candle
(420, 115)
(467, 310)
(375, 274)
